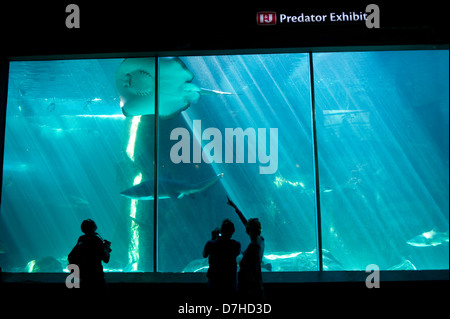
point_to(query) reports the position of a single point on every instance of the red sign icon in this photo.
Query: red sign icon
(266, 18)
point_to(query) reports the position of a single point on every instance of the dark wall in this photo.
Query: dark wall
(36, 28)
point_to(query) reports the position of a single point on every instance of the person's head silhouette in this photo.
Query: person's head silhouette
(227, 229)
(253, 228)
(88, 227)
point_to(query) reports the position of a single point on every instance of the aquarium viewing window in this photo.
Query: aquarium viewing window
(343, 157)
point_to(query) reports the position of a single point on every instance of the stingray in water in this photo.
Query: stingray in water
(135, 81)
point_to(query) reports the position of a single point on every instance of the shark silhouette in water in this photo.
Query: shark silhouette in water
(429, 238)
(135, 82)
(168, 188)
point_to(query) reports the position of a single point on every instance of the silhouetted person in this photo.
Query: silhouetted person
(88, 254)
(222, 252)
(250, 284)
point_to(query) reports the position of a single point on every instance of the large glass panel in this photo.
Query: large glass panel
(69, 152)
(383, 140)
(80, 133)
(267, 167)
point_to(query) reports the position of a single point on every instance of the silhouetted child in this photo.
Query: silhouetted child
(222, 252)
(88, 254)
(250, 284)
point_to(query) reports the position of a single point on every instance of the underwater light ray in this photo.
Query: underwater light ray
(417, 180)
(132, 140)
(133, 249)
(300, 89)
(273, 113)
(253, 99)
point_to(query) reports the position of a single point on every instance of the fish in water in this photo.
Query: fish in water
(168, 188)
(429, 238)
(135, 82)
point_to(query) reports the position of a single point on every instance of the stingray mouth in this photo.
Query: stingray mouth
(140, 82)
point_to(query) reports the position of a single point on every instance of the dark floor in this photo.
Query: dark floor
(283, 299)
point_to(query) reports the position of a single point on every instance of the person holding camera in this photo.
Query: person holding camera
(222, 252)
(88, 254)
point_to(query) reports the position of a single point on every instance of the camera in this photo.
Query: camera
(107, 245)
(215, 234)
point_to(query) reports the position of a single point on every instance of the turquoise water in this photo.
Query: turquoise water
(383, 151)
